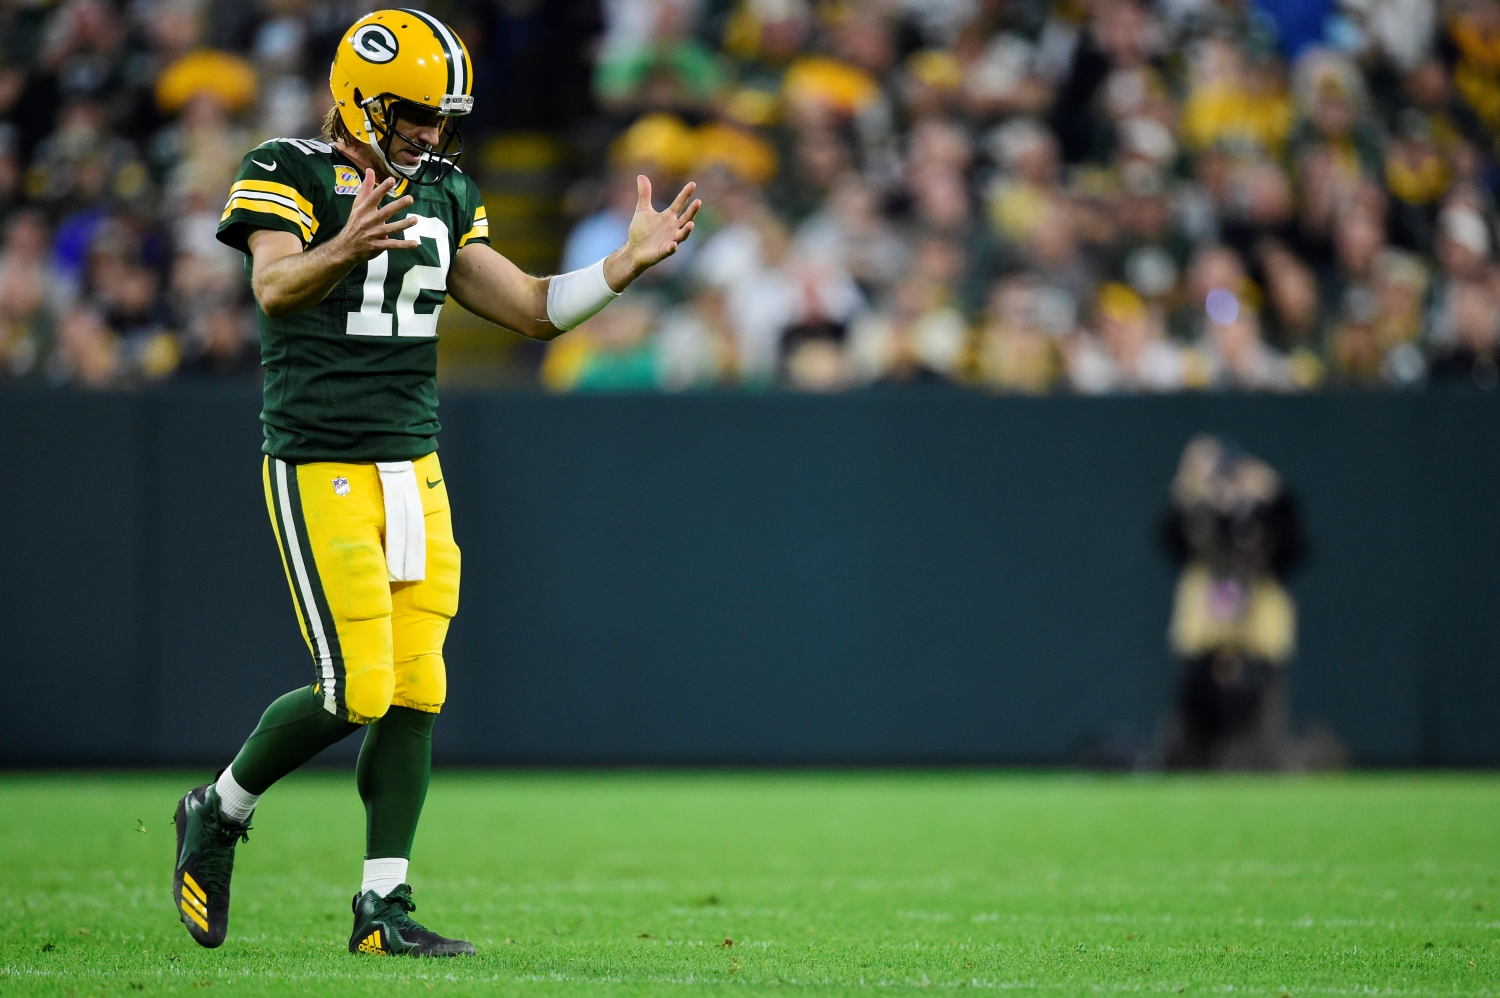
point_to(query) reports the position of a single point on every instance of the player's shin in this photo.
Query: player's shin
(291, 731)
(395, 764)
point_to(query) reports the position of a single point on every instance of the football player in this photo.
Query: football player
(353, 242)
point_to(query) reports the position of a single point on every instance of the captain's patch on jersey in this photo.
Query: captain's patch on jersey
(345, 180)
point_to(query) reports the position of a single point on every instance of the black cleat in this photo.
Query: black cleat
(205, 862)
(384, 927)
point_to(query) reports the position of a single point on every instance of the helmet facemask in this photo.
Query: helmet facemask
(383, 116)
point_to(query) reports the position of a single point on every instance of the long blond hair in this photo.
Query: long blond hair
(334, 129)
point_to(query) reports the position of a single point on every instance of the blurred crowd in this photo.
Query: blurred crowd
(1022, 195)
(1040, 196)
(123, 126)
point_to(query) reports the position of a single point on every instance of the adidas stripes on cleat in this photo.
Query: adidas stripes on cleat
(205, 862)
(384, 927)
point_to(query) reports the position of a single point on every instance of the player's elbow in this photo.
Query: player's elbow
(273, 303)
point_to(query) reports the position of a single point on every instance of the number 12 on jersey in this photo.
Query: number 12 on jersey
(372, 319)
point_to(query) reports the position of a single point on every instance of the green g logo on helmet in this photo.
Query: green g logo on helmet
(375, 43)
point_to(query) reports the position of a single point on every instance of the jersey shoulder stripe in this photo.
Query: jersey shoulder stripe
(279, 190)
(242, 203)
(283, 184)
(480, 230)
(273, 199)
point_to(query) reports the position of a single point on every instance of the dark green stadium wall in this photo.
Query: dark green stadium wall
(871, 578)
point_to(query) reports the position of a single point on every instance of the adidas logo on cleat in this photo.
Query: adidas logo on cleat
(192, 903)
(371, 943)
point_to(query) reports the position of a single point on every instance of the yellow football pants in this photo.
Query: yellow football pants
(374, 642)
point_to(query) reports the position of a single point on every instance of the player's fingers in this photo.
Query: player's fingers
(685, 231)
(400, 225)
(682, 197)
(642, 192)
(687, 216)
(369, 199)
(395, 244)
(374, 192)
(393, 207)
(363, 195)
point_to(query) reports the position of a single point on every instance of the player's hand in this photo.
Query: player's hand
(370, 231)
(655, 235)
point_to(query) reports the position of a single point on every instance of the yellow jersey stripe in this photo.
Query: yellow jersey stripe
(266, 187)
(270, 208)
(278, 198)
(475, 231)
(479, 214)
(307, 220)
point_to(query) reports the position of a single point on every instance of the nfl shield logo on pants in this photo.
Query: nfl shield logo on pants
(341, 486)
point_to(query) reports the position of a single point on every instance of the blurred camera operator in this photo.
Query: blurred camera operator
(1236, 534)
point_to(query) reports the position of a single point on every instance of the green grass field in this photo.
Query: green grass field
(807, 884)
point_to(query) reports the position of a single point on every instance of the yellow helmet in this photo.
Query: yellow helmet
(394, 60)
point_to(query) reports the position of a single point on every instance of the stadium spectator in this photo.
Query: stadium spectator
(603, 231)
(1238, 358)
(696, 346)
(1471, 362)
(1294, 316)
(656, 65)
(1130, 351)
(24, 306)
(612, 351)
(1016, 352)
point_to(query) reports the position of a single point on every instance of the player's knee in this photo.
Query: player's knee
(368, 694)
(424, 682)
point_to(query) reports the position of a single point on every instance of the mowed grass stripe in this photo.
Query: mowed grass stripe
(822, 883)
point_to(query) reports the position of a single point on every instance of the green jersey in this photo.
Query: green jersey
(354, 378)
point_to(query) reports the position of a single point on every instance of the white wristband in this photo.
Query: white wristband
(579, 295)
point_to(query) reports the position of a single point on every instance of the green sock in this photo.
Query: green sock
(395, 763)
(291, 731)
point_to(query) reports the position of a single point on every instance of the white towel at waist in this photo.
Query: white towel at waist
(405, 528)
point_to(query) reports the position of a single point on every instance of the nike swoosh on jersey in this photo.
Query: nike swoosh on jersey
(432, 485)
(264, 166)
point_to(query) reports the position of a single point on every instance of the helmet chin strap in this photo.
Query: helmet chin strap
(391, 168)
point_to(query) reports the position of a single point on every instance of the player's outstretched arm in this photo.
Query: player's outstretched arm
(287, 280)
(487, 284)
(490, 286)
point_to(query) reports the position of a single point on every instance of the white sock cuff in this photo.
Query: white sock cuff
(236, 801)
(383, 875)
